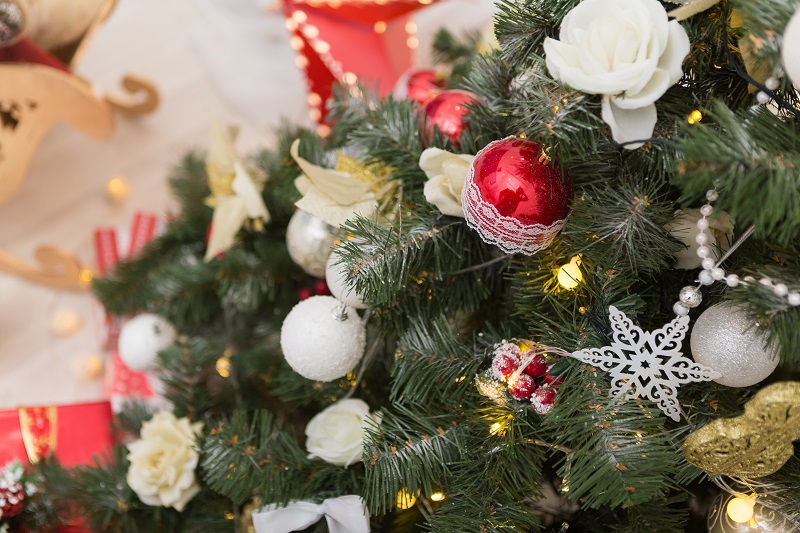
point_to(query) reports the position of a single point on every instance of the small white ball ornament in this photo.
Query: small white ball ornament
(141, 338)
(335, 277)
(791, 44)
(725, 339)
(319, 342)
(309, 240)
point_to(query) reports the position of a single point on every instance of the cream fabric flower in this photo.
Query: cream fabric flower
(336, 433)
(163, 461)
(236, 192)
(446, 173)
(684, 228)
(337, 195)
(626, 50)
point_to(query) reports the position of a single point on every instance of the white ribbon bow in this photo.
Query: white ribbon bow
(345, 514)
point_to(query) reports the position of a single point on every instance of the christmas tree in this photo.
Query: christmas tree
(566, 297)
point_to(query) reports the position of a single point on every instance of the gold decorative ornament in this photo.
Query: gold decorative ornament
(754, 444)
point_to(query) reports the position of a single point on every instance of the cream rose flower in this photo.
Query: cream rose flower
(684, 228)
(626, 50)
(336, 433)
(446, 173)
(163, 461)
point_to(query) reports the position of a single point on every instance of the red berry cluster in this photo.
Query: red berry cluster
(320, 289)
(521, 370)
(12, 493)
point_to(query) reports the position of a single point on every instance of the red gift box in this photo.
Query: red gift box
(74, 433)
(111, 245)
(123, 384)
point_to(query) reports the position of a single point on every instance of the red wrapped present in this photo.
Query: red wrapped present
(123, 384)
(351, 41)
(74, 433)
(112, 245)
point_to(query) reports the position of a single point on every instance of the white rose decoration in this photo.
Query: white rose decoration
(336, 433)
(626, 50)
(163, 461)
(446, 173)
(684, 228)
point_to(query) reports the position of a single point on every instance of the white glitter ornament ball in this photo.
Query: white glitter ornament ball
(309, 241)
(725, 339)
(141, 338)
(335, 277)
(791, 44)
(316, 344)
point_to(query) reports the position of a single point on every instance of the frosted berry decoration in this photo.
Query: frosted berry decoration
(503, 365)
(12, 493)
(515, 196)
(536, 367)
(543, 399)
(521, 387)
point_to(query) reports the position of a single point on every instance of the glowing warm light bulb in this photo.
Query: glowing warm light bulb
(405, 500)
(741, 508)
(695, 117)
(117, 189)
(437, 496)
(223, 365)
(494, 428)
(86, 276)
(569, 275)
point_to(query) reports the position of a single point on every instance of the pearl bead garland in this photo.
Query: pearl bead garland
(713, 272)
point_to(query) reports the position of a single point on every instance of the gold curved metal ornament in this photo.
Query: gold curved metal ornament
(32, 99)
(145, 96)
(58, 268)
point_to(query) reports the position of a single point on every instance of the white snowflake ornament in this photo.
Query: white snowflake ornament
(647, 364)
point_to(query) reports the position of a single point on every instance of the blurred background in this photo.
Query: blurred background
(226, 59)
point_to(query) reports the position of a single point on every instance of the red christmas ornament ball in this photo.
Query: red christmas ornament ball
(503, 365)
(543, 399)
(12, 498)
(515, 197)
(446, 110)
(522, 387)
(537, 367)
(422, 85)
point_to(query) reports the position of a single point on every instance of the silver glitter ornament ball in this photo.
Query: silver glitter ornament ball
(690, 296)
(725, 339)
(309, 241)
(13, 22)
(336, 278)
(319, 346)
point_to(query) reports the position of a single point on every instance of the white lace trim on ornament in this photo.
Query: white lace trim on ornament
(507, 233)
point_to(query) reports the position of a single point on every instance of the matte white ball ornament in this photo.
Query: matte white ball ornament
(322, 340)
(309, 240)
(791, 44)
(725, 339)
(141, 338)
(336, 278)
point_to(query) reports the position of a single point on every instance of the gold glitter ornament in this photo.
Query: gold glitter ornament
(754, 444)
